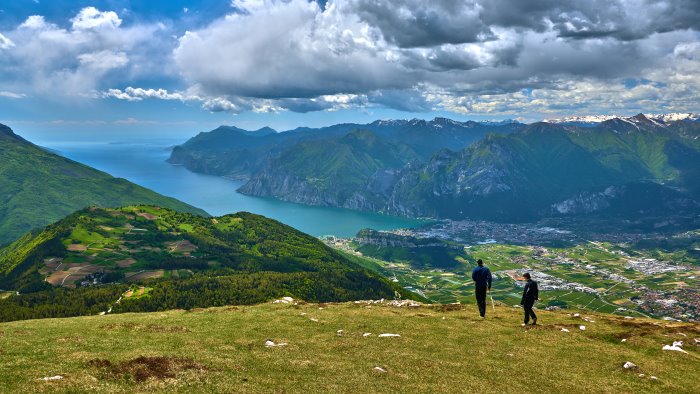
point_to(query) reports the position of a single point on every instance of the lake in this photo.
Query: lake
(144, 163)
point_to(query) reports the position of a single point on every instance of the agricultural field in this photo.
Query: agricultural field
(118, 245)
(597, 276)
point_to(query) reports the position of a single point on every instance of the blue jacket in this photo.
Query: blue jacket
(482, 276)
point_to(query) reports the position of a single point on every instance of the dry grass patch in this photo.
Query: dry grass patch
(76, 248)
(144, 327)
(146, 275)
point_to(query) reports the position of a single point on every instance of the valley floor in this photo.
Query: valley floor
(441, 348)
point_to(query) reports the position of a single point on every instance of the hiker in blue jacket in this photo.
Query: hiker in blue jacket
(530, 294)
(482, 279)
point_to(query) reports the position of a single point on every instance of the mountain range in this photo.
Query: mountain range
(626, 167)
(38, 187)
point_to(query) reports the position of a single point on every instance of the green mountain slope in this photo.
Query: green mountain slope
(352, 171)
(441, 349)
(626, 168)
(38, 187)
(185, 261)
(237, 153)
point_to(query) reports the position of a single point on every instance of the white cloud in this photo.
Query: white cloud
(474, 56)
(5, 43)
(34, 22)
(12, 95)
(417, 56)
(95, 51)
(91, 18)
(138, 94)
(103, 61)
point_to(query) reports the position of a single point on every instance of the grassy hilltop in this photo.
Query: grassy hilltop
(440, 349)
(84, 263)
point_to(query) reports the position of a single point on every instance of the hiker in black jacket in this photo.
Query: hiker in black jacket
(530, 295)
(482, 279)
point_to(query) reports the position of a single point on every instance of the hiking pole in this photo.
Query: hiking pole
(492, 303)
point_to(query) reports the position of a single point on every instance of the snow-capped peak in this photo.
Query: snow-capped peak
(582, 119)
(673, 117)
(654, 118)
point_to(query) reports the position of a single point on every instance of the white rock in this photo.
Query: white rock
(380, 369)
(284, 300)
(577, 315)
(366, 334)
(339, 333)
(582, 328)
(629, 317)
(630, 365)
(389, 335)
(674, 348)
(653, 377)
(313, 319)
(624, 340)
(564, 330)
(678, 343)
(49, 378)
(641, 375)
(269, 343)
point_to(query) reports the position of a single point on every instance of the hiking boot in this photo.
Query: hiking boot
(534, 322)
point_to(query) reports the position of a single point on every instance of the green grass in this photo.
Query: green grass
(438, 351)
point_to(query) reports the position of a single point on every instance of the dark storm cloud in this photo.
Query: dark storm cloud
(418, 23)
(620, 19)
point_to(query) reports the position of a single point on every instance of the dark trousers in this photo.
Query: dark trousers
(481, 300)
(527, 307)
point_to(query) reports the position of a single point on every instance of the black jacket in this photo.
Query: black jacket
(482, 277)
(530, 293)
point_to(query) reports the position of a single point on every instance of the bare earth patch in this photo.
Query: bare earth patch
(144, 368)
(126, 263)
(72, 273)
(147, 215)
(50, 265)
(183, 246)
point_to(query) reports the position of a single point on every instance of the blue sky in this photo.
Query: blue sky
(90, 69)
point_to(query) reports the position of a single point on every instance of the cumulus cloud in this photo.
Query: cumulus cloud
(474, 56)
(95, 50)
(92, 18)
(468, 56)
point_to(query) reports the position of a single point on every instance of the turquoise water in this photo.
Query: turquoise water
(144, 163)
